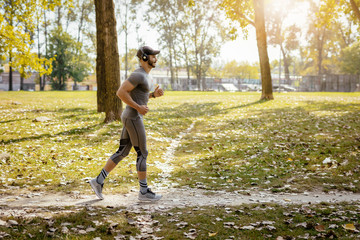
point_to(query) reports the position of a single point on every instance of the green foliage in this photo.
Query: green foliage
(242, 70)
(191, 33)
(323, 48)
(133, 61)
(351, 59)
(69, 60)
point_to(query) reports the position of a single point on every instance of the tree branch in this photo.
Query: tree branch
(355, 8)
(245, 18)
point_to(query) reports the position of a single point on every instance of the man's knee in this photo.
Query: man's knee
(141, 159)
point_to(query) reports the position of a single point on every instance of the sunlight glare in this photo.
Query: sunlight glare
(293, 12)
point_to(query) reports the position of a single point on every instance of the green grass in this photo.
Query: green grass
(50, 223)
(237, 143)
(268, 221)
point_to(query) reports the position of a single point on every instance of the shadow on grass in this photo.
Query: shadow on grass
(245, 105)
(73, 131)
(13, 120)
(187, 110)
(267, 141)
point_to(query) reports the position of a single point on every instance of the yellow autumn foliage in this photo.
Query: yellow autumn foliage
(18, 20)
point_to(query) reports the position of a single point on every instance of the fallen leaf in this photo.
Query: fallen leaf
(181, 225)
(349, 226)
(320, 228)
(247, 228)
(13, 222)
(212, 234)
(229, 224)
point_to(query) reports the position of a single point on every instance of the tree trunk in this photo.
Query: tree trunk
(355, 8)
(286, 60)
(21, 83)
(126, 39)
(172, 75)
(10, 75)
(107, 61)
(267, 92)
(126, 54)
(42, 82)
(58, 21)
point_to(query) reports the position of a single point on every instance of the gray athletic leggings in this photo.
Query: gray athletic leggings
(133, 134)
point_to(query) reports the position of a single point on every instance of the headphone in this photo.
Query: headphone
(144, 56)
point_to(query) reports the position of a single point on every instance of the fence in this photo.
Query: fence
(330, 83)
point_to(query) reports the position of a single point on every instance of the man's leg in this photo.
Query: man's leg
(124, 149)
(136, 130)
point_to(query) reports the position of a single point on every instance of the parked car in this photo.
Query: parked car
(284, 88)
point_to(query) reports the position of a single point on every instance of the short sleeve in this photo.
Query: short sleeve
(136, 78)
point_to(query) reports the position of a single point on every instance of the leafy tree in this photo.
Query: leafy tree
(323, 48)
(286, 37)
(81, 14)
(69, 60)
(126, 14)
(252, 13)
(242, 70)
(190, 34)
(17, 24)
(132, 61)
(351, 59)
(164, 15)
(333, 9)
(206, 32)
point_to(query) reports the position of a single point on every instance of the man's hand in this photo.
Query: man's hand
(143, 109)
(158, 92)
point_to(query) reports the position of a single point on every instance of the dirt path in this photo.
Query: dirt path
(174, 198)
(166, 166)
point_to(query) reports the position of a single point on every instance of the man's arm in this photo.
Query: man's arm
(124, 94)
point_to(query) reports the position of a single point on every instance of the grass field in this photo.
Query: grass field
(253, 221)
(298, 142)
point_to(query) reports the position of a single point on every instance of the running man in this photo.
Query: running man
(135, 93)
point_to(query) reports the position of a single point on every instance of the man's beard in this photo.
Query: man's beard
(151, 63)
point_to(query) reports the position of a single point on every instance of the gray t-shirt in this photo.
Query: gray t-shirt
(140, 94)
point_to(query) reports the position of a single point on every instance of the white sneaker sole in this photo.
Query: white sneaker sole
(94, 188)
(145, 199)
